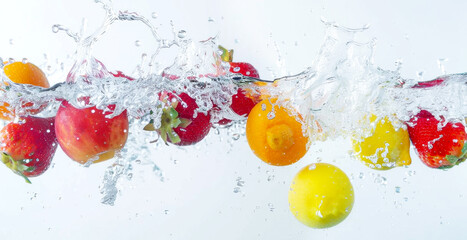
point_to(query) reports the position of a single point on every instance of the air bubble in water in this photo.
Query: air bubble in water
(154, 15)
(181, 34)
(137, 43)
(55, 28)
(271, 115)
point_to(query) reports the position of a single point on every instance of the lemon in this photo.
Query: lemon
(385, 148)
(321, 195)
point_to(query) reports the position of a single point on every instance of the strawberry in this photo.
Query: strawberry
(439, 144)
(179, 124)
(28, 147)
(241, 103)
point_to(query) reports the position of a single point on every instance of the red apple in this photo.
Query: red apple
(87, 135)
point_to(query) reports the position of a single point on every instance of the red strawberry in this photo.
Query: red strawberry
(28, 148)
(179, 125)
(241, 103)
(438, 148)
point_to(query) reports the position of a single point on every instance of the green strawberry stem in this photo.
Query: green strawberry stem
(17, 167)
(169, 121)
(227, 55)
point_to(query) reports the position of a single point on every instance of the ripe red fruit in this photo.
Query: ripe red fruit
(87, 135)
(439, 144)
(28, 147)
(179, 124)
(241, 103)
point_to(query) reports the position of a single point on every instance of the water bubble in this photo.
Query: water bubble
(236, 136)
(55, 28)
(154, 15)
(312, 167)
(361, 175)
(210, 19)
(398, 189)
(240, 182)
(236, 190)
(263, 107)
(24, 60)
(137, 43)
(381, 180)
(271, 115)
(166, 211)
(11, 41)
(181, 34)
(441, 66)
(271, 207)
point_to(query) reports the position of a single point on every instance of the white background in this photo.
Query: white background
(197, 199)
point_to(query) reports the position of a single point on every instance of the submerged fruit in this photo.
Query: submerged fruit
(385, 148)
(321, 195)
(23, 73)
(27, 148)
(87, 135)
(439, 143)
(275, 136)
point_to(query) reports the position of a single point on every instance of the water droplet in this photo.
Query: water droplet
(236, 69)
(398, 189)
(210, 19)
(24, 60)
(361, 175)
(181, 34)
(240, 182)
(236, 190)
(271, 115)
(441, 66)
(154, 15)
(137, 43)
(271, 207)
(11, 41)
(270, 178)
(263, 107)
(381, 180)
(236, 136)
(166, 212)
(55, 28)
(312, 167)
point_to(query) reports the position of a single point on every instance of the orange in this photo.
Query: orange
(277, 140)
(23, 73)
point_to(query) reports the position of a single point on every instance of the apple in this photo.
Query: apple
(87, 135)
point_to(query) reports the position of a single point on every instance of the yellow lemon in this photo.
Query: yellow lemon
(321, 195)
(385, 148)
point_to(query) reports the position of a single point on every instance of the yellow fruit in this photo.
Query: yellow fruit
(385, 148)
(321, 195)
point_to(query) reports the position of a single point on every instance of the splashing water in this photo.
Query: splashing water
(339, 89)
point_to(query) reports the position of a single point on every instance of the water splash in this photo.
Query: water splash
(333, 96)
